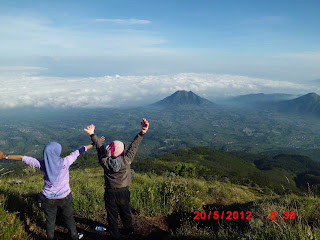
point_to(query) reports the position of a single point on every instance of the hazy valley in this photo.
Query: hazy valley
(198, 155)
(174, 125)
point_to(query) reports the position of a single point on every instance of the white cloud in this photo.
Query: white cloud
(131, 21)
(29, 36)
(23, 89)
(12, 72)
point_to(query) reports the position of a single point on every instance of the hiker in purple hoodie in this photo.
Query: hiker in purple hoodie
(56, 191)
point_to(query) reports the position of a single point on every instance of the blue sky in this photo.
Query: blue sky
(265, 40)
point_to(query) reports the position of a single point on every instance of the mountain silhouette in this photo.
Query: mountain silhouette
(261, 97)
(307, 104)
(183, 98)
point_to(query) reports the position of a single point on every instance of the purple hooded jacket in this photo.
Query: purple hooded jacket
(61, 188)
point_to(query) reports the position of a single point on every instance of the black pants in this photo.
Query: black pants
(117, 202)
(50, 207)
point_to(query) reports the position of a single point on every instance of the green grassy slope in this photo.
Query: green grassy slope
(151, 195)
(172, 196)
(280, 173)
(174, 186)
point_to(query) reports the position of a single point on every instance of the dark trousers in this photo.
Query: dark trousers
(117, 202)
(50, 207)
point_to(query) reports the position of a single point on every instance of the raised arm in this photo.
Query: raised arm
(33, 162)
(98, 142)
(95, 139)
(11, 157)
(72, 157)
(133, 148)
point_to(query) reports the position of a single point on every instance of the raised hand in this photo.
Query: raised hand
(144, 125)
(102, 139)
(90, 129)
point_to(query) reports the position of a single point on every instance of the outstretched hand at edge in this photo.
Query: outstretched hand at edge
(2, 155)
(12, 157)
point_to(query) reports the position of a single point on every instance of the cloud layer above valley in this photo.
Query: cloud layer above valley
(25, 89)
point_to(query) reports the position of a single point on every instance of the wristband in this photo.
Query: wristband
(7, 157)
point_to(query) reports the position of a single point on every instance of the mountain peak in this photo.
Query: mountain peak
(184, 93)
(183, 97)
(308, 98)
(306, 104)
(312, 95)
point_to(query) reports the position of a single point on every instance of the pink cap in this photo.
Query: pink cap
(115, 149)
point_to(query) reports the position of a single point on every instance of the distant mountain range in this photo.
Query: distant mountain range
(182, 120)
(307, 104)
(182, 98)
(257, 100)
(261, 97)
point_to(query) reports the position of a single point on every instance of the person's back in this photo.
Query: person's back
(61, 188)
(121, 177)
(117, 175)
(56, 192)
